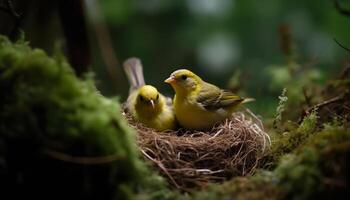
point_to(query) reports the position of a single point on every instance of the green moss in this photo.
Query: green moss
(47, 111)
(322, 161)
(299, 175)
(308, 125)
(286, 142)
(261, 186)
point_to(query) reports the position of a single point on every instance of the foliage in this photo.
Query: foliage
(309, 123)
(280, 108)
(317, 168)
(58, 133)
(299, 81)
(286, 142)
(299, 175)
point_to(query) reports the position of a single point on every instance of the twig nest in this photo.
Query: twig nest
(192, 159)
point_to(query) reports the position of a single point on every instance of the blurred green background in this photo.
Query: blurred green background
(218, 39)
(231, 43)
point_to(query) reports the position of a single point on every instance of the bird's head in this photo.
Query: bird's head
(184, 81)
(148, 97)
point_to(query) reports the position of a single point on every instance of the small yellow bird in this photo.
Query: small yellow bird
(145, 103)
(199, 105)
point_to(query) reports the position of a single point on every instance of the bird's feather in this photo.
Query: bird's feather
(212, 98)
(134, 72)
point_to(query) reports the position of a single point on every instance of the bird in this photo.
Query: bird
(199, 105)
(145, 103)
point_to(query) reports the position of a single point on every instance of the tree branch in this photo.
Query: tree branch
(104, 40)
(74, 27)
(340, 9)
(9, 8)
(342, 46)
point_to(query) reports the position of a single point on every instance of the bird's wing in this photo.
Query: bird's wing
(213, 98)
(134, 73)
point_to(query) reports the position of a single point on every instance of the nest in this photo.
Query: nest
(193, 159)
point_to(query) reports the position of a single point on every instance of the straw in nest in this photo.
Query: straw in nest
(192, 159)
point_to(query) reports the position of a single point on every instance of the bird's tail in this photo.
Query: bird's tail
(134, 72)
(246, 100)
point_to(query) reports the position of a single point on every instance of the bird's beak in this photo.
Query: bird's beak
(152, 104)
(170, 80)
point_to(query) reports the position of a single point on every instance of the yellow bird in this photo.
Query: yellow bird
(145, 103)
(199, 105)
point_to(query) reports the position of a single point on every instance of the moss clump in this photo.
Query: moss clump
(241, 188)
(309, 123)
(286, 142)
(58, 135)
(318, 168)
(299, 175)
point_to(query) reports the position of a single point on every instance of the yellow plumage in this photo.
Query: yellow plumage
(144, 102)
(200, 105)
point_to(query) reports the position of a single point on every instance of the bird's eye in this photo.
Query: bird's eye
(183, 77)
(141, 98)
(157, 96)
